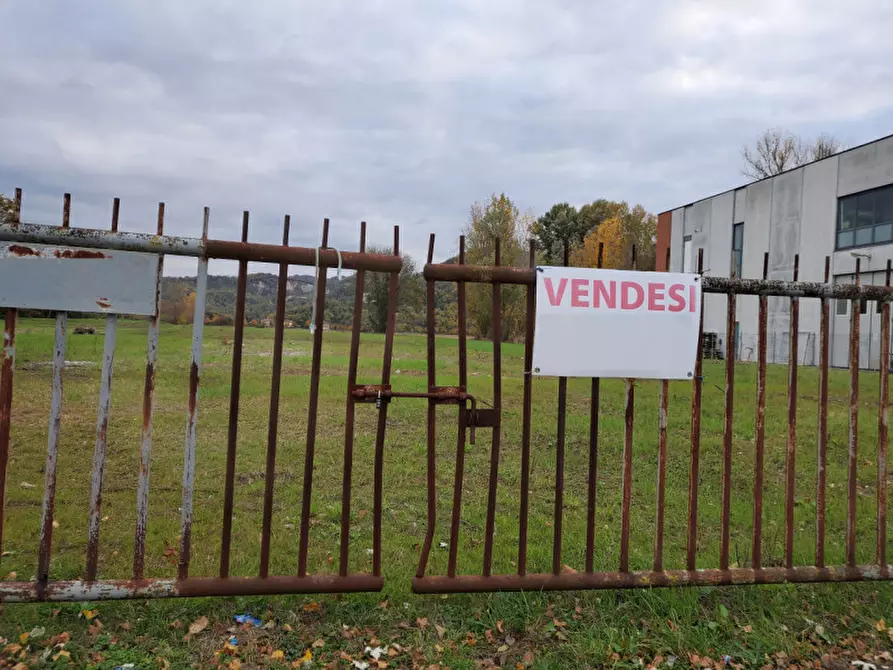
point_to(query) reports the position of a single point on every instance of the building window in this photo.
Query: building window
(865, 218)
(737, 249)
(686, 254)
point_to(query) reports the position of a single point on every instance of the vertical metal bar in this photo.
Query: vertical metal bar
(432, 455)
(66, 210)
(8, 363)
(460, 441)
(116, 208)
(273, 422)
(627, 475)
(7, 368)
(594, 394)
(99, 452)
(49, 487)
(142, 489)
(558, 519)
(198, 326)
(526, 415)
(497, 423)
(313, 407)
(350, 410)
(822, 456)
(883, 400)
(661, 475)
(694, 466)
(387, 357)
(756, 551)
(854, 427)
(235, 388)
(728, 416)
(791, 452)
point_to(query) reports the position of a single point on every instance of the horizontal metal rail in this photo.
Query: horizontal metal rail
(189, 246)
(728, 285)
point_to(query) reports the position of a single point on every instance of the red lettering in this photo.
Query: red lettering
(656, 297)
(691, 298)
(677, 298)
(579, 293)
(625, 301)
(555, 300)
(600, 293)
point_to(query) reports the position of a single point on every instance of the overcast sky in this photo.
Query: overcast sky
(405, 113)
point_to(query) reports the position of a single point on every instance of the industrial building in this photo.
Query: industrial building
(840, 207)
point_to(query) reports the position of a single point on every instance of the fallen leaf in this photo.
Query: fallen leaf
(319, 644)
(11, 576)
(176, 625)
(881, 626)
(470, 640)
(23, 638)
(491, 639)
(499, 627)
(198, 625)
(306, 658)
(502, 648)
(277, 655)
(89, 614)
(126, 626)
(235, 664)
(105, 518)
(312, 607)
(286, 627)
(61, 654)
(748, 629)
(672, 624)
(12, 649)
(55, 524)
(26, 485)
(528, 658)
(422, 622)
(568, 570)
(21, 666)
(441, 631)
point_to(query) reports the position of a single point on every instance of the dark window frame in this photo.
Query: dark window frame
(737, 254)
(875, 226)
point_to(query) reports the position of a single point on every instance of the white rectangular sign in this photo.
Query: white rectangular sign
(38, 276)
(616, 323)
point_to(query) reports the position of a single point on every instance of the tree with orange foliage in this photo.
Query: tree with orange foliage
(618, 233)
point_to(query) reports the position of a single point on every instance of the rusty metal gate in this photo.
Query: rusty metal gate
(124, 277)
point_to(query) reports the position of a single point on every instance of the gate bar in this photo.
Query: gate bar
(883, 400)
(526, 413)
(460, 439)
(273, 421)
(142, 488)
(559, 463)
(313, 405)
(198, 326)
(658, 565)
(7, 357)
(756, 547)
(387, 359)
(234, 394)
(497, 409)
(822, 442)
(854, 425)
(728, 416)
(350, 411)
(432, 418)
(791, 451)
(592, 481)
(693, 471)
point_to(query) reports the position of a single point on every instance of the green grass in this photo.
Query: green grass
(602, 628)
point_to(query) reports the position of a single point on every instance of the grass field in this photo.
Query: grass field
(753, 625)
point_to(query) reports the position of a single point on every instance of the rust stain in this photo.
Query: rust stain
(149, 387)
(104, 303)
(21, 250)
(193, 388)
(78, 253)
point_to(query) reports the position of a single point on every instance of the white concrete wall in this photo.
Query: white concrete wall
(790, 214)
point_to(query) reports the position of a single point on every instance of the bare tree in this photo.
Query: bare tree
(823, 146)
(777, 150)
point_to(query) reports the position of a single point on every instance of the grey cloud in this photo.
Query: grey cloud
(405, 113)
